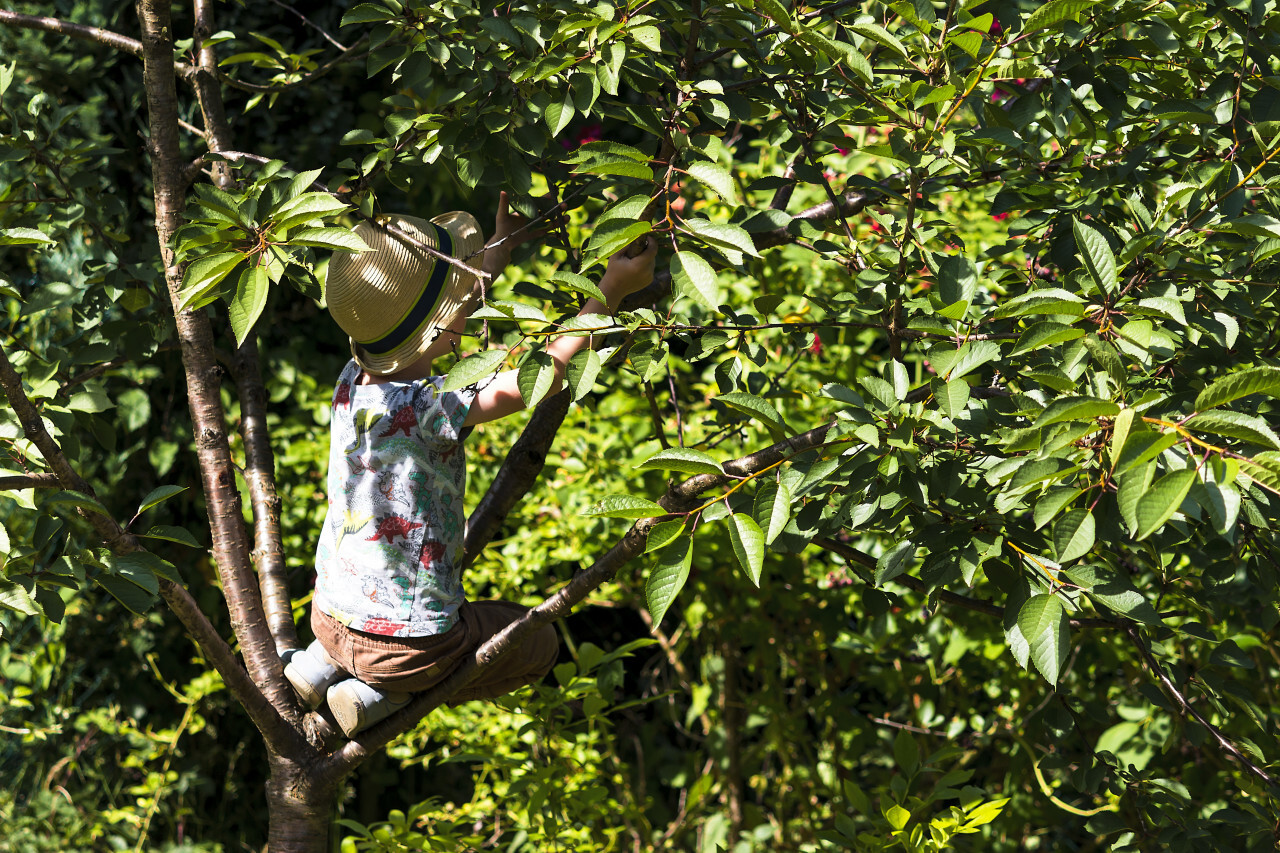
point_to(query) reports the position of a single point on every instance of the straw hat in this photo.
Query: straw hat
(396, 299)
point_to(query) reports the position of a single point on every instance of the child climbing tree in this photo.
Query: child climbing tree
(944, 435)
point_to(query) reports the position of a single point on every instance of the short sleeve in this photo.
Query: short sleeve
(441, 414)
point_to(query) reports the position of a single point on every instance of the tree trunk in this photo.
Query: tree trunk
(301, 805)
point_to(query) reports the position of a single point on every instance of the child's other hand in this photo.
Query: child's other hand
(628, 273)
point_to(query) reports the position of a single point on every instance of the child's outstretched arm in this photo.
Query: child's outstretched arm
(624, 276)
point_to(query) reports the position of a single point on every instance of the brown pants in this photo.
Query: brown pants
(412, 664)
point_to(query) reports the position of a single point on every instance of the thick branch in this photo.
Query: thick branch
(260, 468)
(273, 727)
(678, 499)
(29, 481)
(259, 473)
(519, 471)
(217, 131)
(230, 545)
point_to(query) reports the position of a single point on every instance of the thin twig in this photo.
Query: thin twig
(1176, 695)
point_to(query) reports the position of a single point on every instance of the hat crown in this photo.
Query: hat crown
(391, 299)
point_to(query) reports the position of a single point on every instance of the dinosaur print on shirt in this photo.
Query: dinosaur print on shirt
(393, 526)
(387, 559)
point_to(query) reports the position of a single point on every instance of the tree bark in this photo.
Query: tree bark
(301, 806)
(230, 543)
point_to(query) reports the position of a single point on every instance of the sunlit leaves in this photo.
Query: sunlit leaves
(1256, 380)
(748, 544)
(1162, 500)
(473, 369)
(668, 576)
(682, 460)
(249, 300)
(694, 277)
(1043, 622)
(625, 506)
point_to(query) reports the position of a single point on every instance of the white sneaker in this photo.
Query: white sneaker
(311, 673)
(356, 705)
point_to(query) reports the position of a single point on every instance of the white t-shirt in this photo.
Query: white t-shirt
(387, 558)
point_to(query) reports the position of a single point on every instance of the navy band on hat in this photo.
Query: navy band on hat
(422, 307)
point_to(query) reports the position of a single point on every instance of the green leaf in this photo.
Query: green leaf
(956, 363)
(1250, 428)
(558, 114)
(1222, 502)
(338, 239)
(612, 236)
(717, 177)
(1096, 253)
(24, 237)
(1120, 428)
(1045, 333)
(952, 396)
(748, 544)
(895, 562)
(1053, 501)
(171, 534)
(78, 499)
(1053, 13)
(722, 234)
(906, 752)
(1256, 380)
(625, 506)
(306, 208)
(694, 277)
(616, 166)
(1264, 468)
(668, 577)
(1142, 445)
(1107, 586)
(580, 284)
(536, 376)
(472, 369)
(132, 596)
(686, 460)
(663, 533)
(157, 496)
(15, 597)
(985, 813)
(1073, 535)
(1076, 409)
(1043, 622)
(246, 306)
(776, 11)
(772, 509)
(1162, 500)
(203, 275)
(882, 36)
(581, 372)
(757, 408)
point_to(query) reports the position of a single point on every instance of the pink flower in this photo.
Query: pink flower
(995, 27)
(816, 346)
(998, 95)
(1000, 217)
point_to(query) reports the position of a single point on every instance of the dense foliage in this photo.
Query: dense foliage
(994, 280)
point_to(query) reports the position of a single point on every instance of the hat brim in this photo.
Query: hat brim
(468, 239)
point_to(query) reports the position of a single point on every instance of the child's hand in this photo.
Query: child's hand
(627, 273)
(510, 229)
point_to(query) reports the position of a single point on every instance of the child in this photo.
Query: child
(389, 613)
